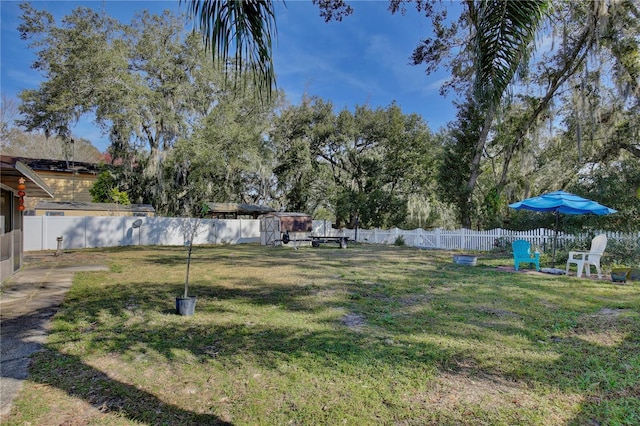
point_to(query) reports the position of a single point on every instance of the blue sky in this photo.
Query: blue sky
(362, 60)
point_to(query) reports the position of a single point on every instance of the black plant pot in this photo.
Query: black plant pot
(185, 305)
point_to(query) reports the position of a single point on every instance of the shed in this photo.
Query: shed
(274, 225)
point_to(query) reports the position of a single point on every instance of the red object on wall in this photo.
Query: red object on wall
(21, 194)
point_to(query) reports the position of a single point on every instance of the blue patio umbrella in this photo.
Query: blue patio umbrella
(561, 202)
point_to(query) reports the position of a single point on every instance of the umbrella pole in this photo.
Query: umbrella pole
(555, 241)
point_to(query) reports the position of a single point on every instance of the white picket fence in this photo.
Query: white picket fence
(459, 239)
(467, 239)
(41, 233)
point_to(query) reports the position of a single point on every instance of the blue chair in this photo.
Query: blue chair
(522, 253)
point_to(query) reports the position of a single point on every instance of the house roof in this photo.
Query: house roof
(46, 165)
(76, 205)
(239, 209)
(288, 214)
(13, 168)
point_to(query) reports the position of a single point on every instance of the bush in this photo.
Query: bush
(622, 252)
(502, 244)
(399, 241)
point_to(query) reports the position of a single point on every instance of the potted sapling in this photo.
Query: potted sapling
(186, 303)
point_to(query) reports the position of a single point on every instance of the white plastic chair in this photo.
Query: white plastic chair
(592, 257)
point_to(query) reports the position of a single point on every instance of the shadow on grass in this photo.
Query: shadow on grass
(572, 372)
(605, 373)
(259, 256)
(118, 334)
(70, 374)
(21, 340)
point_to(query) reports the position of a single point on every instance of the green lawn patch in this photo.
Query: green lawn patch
(366, 335)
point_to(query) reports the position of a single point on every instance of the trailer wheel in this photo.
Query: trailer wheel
(315, 243)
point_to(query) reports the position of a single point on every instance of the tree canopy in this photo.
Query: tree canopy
(548, 98)
(583, 87)
(363, 164)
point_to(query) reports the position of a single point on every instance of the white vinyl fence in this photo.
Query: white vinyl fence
(41, 233)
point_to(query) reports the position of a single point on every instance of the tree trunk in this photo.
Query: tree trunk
(465, 214)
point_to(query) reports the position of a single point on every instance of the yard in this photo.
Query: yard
(367, 335)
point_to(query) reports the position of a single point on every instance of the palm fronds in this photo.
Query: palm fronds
(504, 32)
(246, 27)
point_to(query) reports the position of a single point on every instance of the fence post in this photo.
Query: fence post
(85, 228)
(45, 224)
(43, 233)
(124, 232)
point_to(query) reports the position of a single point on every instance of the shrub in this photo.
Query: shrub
(399, 241)
(502, 244)
(622, 252)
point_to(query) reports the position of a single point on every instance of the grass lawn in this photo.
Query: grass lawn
(362, 336)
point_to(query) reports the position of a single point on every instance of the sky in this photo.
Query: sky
(363, 60)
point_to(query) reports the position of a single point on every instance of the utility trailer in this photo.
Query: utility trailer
(316, 240)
